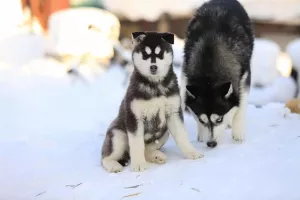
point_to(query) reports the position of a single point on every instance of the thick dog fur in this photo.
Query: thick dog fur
(150, 109)
(216, 72)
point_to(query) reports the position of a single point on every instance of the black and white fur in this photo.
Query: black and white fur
(216, 74)
(150, 109)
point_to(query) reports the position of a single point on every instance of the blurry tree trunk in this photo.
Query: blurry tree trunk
(42, 9)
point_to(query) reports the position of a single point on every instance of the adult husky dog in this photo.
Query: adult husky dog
(216, 72)
(150, 109)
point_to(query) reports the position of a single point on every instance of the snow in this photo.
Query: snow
(27, 46)
(282, 89)
(52, 129)
(293, 49)
(270, 69)
(53, 125)
(263, 65)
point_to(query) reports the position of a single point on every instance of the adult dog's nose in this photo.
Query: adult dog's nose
(211, 144)
(153, 68)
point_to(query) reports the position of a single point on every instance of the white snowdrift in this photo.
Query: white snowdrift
(281, 90)
(26, 47)
(52, 131)
(293, 49)
(265, 72)
(263, 63)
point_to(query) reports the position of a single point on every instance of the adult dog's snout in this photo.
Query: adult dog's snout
(211, 144)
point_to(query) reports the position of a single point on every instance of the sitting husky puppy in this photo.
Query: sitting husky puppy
(216, 72)
(150, 109)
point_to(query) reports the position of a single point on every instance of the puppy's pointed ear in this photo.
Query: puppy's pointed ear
(137, 37)
(137, 34)
(168, 37)
(226, 90)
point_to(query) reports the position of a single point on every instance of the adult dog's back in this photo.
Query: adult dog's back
(216, 70)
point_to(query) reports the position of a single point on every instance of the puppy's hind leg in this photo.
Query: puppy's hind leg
(152, 152)
(114, 148)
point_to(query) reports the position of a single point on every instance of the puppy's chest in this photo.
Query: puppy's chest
(154, 112)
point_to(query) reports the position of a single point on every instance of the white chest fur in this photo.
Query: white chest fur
(149, 108)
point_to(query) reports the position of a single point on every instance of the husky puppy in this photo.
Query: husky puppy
(216, 76)
(150, 109)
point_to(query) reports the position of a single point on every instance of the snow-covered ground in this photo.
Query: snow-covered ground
(52, 130)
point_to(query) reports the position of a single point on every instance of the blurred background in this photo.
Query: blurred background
(83, 39)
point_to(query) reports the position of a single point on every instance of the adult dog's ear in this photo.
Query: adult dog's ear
(226, 90)
(168, 37)
(137, 37)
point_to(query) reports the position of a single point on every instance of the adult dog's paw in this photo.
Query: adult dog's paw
(194, 154)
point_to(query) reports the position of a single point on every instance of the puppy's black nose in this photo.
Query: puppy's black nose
(153, 68)
(212, 144)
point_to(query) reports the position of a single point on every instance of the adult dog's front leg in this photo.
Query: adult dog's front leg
(178, 131)
(239, 119)
(238, 124)
(201, 129)
(137, 148)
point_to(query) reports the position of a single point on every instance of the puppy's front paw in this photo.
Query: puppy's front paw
(194, 154)
(139, 167)
(112, 166)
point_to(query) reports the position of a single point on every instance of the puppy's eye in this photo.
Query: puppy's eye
(148, 50)
(157, 50)
(219, 120)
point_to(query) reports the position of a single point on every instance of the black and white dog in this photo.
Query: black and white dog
(150, 109)
(216, 74)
